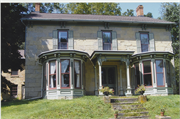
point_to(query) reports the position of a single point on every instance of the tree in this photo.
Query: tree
(149, 14)
(129, 12)
(170, 12)
(12, 37)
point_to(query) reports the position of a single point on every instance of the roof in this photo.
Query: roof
(92, 18)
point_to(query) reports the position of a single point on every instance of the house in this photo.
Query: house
(16, 79)
(71, 55)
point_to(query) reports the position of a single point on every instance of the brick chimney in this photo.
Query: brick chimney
(37, 7)
(139, 11)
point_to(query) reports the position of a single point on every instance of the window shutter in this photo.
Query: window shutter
(138, 42)
(55, 39)
(99, 35)
(151, 42)
(70, 40)
(114, 40)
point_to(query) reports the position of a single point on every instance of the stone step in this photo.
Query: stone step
(134, 117)
(127, 106)
(131, 109)
(116, 100)
(125, 103)
(133, 114)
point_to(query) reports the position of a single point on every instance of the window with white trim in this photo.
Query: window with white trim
(77, 73)
(147, 76)
(159, 73)
(52, 74)
(65, 73)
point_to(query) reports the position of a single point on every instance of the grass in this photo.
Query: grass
(84, 107)
(171, 104)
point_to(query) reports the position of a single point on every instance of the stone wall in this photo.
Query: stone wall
(39, 39)
(15, 80)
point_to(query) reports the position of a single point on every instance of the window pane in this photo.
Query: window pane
(107, 37)
(111, 75)
(144, 39)
(52, 67)
(63, 36)
(77, 74)
(147, 66)
(62, 45)
(14, 73)
(159, 65)
(147, 80)
(64, 66)
(106, 46)
(160, 79)
(144, 48)
(64, 80)
(52, 81)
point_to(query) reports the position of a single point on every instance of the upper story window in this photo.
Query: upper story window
(63, 40)
(107, 40)
(144, 42)
(159, 73)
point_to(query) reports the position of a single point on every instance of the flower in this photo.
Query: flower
(140, 88)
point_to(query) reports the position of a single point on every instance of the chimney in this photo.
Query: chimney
(139, 11)
(37, 7)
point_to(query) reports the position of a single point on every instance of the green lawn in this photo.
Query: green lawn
(84, 107)
(171, 104)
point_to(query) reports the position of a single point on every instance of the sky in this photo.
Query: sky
(154, 8)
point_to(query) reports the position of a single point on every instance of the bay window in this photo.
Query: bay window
(63, 40)
(52, 74)
(107, 40)
(168, 73)
(77, 74)
(144, 42)
(147, 76)
(65, 73)
(159, 73)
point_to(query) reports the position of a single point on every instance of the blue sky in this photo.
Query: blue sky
(154, 8)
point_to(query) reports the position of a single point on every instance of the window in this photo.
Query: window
(159, 73)
(107, 40)
(14, 72)
(14, 91)
(77, 74)
(137, 76)
(144, 42)
(63, 40)
(52, 74)
(65, 74)
(147, 73)
(168, 73)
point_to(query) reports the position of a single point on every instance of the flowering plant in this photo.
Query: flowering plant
(139, 89)
(106, 89)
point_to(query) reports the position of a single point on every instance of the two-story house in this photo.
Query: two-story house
(71, 55)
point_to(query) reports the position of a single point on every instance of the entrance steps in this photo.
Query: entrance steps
(129, 108)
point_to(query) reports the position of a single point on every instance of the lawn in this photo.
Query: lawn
(84, 107)
(170, 103)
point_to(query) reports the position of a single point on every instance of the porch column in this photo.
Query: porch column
(95, 75)
(100, 77)
(128, 79)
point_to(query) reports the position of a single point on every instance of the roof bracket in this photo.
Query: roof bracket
(168, 27)
(106, 25)
(144, 26)
(63, 24)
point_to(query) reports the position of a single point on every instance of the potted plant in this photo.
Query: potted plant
(115, 114)
(106, 90)
(162, 112)
(140, 89)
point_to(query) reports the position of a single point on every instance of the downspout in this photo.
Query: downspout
(25, 65)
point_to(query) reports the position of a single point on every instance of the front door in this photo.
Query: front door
(109, 77)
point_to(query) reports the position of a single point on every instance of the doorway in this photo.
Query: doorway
(109, 77)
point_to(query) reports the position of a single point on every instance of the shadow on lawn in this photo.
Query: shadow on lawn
(16, 102)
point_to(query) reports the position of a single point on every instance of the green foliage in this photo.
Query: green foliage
(169, 103)
(106, 89)
(140, 88)
(12, 37)
(149, 14)
(170, 12)
(129, 12)
(84, 107)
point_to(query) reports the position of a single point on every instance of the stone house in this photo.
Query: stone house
(17, 79)
(71, 55)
